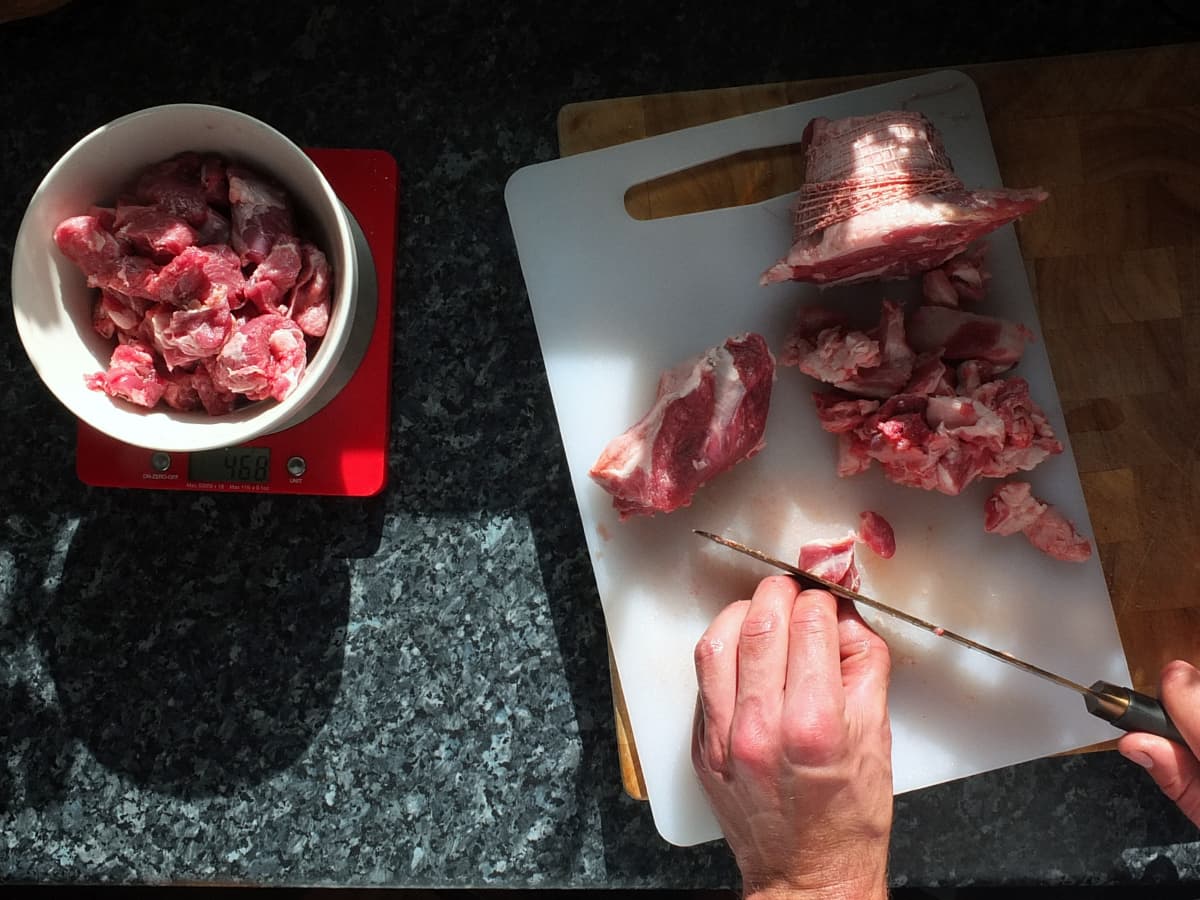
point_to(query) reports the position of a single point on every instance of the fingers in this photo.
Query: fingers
(762, 671)
(1173, 768)
(1180, 694)
(814, 727)
(716, 675)
(866, 663)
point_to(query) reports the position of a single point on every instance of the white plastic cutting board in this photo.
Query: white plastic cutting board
(617, 300)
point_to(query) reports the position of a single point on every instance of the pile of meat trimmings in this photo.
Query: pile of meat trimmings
(927, 396)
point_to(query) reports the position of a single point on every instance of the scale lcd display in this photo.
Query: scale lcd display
(247, 464)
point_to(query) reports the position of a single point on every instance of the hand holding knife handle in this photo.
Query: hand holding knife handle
(1131, 710)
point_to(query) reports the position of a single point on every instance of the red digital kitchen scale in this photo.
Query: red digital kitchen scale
(341, 449)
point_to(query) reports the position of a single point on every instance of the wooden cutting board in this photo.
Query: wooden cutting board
(1114, 260)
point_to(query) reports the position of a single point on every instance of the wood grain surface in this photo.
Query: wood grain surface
(1114, 261)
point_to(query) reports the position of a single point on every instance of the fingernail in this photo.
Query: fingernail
(1137, 756)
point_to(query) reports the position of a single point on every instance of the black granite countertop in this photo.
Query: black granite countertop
(413, 689)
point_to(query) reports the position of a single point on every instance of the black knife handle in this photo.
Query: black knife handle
(1130, 710)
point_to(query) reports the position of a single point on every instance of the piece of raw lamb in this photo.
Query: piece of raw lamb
(1012, 508)
(709, 414)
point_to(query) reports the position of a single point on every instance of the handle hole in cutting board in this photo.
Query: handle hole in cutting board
(750, 176)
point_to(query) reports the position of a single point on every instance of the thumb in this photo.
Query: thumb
(1173, 767)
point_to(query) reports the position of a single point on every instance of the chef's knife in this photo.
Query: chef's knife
(1124, 707)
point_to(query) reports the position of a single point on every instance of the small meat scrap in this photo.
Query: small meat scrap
(131, 375)
(709, 414)
(261, 214)
(876, 532)
(1012, 508)
(877, 363)
(187, 244)
(834, 560)
(264, 357)
(962, 277)
(881, 200)
(962, 335)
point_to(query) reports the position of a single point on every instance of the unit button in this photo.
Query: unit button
(160, 461)
(296, 466)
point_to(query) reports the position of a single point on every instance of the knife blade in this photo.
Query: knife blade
(1122, 707)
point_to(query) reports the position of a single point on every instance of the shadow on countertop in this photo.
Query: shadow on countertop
(201, 653)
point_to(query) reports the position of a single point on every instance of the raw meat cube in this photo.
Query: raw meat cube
(961, 277)
(174, 186)
(967, 273)
(1012, 508)
(188, 390)
(153, 232)
(131, 375)
(881, 200)
(261, 214)
(709, 415)
(937, 289)
(184, 336)
(872, 364)
(308, 305)
(113, 312)
(832, 560)
(876, 532)
(216, 401)
(962, 335)
(95, 250)
(274, 276)
(179, 392)
(264, 357)
(198, 274)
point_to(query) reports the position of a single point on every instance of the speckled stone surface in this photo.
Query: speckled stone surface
(413, 689)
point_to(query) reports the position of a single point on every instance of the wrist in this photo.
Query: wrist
(876, 890)
(840, 892)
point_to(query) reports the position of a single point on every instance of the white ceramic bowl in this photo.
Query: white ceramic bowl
(52, 301)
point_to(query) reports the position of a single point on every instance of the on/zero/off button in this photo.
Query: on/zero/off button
(160, 461)
(296, 466)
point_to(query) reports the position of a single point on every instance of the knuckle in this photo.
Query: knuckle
(750, 744)
(708, 649)
(760, 627)
(815, 737)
